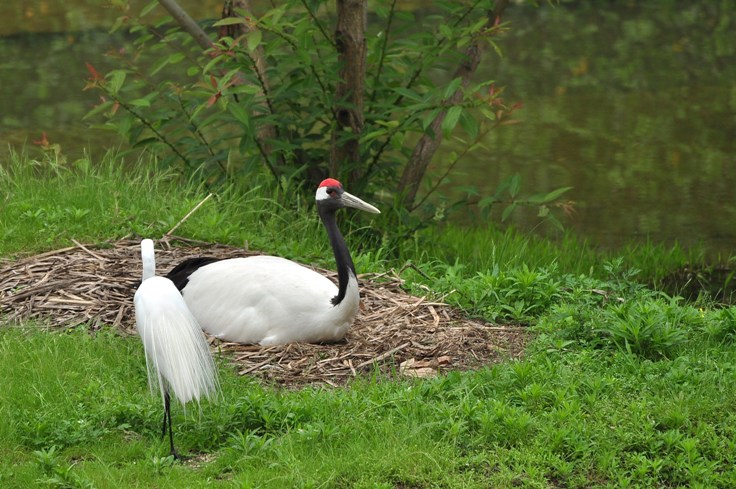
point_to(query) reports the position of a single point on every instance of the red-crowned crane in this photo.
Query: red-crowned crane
(271, 300)
(178, 358)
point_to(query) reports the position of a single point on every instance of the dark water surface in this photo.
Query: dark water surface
(631, 103)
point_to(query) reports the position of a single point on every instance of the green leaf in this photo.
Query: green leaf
(445, 30)
(117, 78)
(373, 135)
(229, 21)
(450, 121)
(468, 189)
(247, 88)
(501, 188)
(487, 113)
(147, 9)
(254, 39)
(508, 210)
(99, 108)
(555, 222)
(428, 118)
(548, 197)
(536, 199)
(469, 124)
(397, 140)
(159, 66)
(497, 49)
(514, 185)
(452, 87)
(212, 63)
(553, 195)
(140, 102)
(176, 58)
(487, 201)
(239, 113)
(224, 80)
(410, 94)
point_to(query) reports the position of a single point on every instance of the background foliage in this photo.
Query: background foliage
(264, 101)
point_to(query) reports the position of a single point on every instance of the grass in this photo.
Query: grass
(78, 414)
(624, 386)
(48, 203)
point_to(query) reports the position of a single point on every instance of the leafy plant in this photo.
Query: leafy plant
(647, 326)
(47, 459)
(721, 326)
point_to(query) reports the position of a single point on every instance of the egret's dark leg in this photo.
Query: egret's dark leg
(167, 414)
(167, 401)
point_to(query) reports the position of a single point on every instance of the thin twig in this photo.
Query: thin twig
(256, 366)
(384, 355)
(451, 166)
(382, 57)
(168, 234)
(319, 24)
(92, 253)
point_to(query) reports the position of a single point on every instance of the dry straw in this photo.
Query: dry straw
(394, 331)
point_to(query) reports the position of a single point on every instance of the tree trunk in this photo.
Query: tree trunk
(348, 112)
(425, 149)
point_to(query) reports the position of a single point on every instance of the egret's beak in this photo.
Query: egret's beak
(350, 200)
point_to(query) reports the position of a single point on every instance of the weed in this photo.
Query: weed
(47, 459)
(161, 464)
(249, 443)
(721, 326)
(647, 327)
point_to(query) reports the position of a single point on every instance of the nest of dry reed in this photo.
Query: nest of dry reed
(395, 332)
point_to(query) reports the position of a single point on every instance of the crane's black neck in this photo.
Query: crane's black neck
(342, 255)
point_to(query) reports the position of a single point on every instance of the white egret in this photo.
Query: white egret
(271, 300)
(178, 358)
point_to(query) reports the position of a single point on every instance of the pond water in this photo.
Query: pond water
(634, 106)
(44, 46)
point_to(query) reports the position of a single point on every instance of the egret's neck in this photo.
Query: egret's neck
(344, 262)
(148, 258)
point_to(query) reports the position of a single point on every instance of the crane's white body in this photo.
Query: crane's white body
(269, 300)
(177, 355)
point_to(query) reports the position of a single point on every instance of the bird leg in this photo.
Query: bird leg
(167, 401)
(167, 415)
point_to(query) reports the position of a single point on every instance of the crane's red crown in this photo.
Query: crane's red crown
(330, 182)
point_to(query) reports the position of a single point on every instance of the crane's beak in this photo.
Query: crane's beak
(350, 200)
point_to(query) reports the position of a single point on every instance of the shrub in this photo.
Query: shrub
(276, 94)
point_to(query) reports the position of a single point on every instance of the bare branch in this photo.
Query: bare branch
(425, 149)
(187, 23)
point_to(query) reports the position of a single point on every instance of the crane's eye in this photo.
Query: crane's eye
(331, 192)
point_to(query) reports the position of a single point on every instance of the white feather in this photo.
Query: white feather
(269, 300)
(177, 355)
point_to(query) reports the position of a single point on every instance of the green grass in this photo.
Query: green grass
(622, 387)
(78, 414)
(47, 203)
